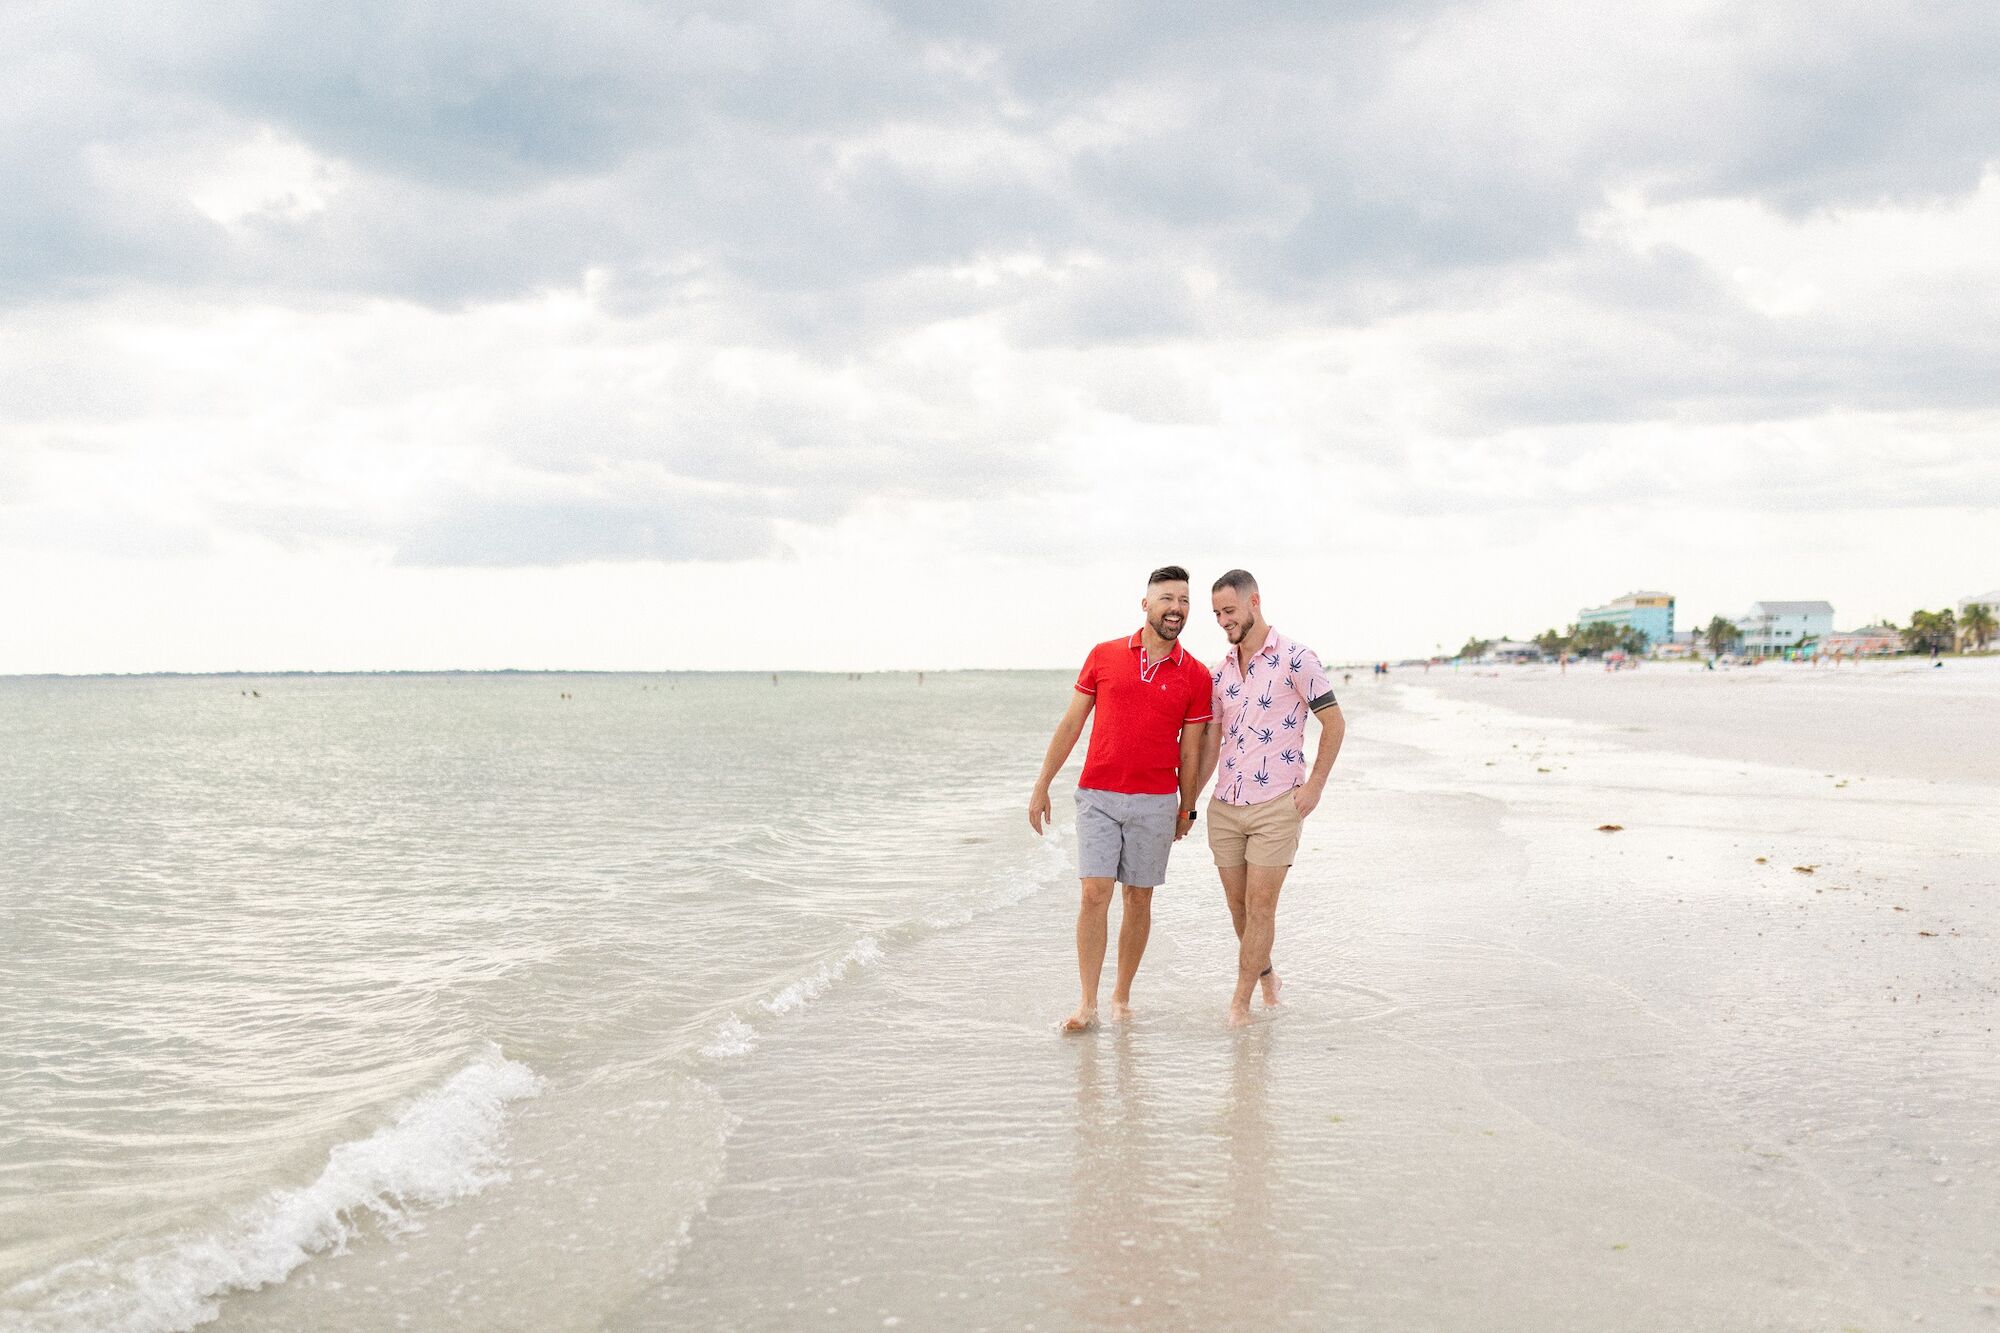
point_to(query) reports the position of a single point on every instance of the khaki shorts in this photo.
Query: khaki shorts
(1264, 834)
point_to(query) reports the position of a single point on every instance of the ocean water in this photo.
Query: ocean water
(290, 965)
(704, 1002)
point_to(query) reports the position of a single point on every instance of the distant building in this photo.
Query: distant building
(1868, 641)
(1681, 646)
(1771, 629)
(1512, 650)
(1651, 613)
(1989, 600)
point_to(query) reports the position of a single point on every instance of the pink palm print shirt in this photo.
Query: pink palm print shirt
(1262, 712)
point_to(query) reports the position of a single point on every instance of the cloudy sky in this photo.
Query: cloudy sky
(851, 335)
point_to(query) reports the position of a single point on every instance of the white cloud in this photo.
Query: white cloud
(1839, 262)
(268, 175)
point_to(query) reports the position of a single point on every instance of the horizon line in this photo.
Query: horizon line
(154, 674)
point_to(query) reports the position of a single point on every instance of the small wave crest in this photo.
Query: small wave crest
(444, 1146)
(865, 953)
(1045, 863)
(732, 1039)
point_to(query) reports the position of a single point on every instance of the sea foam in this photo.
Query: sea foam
(815, 984)
(444, 1146)
(732, 1038)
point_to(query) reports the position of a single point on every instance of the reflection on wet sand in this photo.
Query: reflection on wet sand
(1157, 1236)
(1256, 1279)
(1117, 1221)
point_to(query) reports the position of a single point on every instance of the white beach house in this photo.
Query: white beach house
(1771, 628)
(1989, 600)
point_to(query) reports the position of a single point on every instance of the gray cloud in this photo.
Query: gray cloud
(1850, 104)
(1530, 482)
(1623, 337)
(506, 150)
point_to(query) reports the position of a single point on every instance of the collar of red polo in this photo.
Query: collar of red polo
(1138, 641)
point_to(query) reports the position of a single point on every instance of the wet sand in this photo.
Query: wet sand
(1532, 1075)
(1768, 991)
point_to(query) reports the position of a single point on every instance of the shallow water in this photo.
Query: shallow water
(452, 1003)
(245, 932)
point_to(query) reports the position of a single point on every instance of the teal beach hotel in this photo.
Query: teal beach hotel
(1651, 613)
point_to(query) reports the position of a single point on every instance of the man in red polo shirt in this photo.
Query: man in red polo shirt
(1136, 796)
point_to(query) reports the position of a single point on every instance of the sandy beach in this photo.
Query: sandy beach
(1891, 718)
(1757, 1015)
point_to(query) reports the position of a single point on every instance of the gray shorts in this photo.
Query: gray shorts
(1125, 837)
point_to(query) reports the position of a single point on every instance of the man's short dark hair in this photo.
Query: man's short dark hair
(1167, 574)
(1239, 579)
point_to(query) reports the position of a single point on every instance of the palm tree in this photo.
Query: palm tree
(1721, 633)
(1595, 639)
(1977, 625)
(1931, 632)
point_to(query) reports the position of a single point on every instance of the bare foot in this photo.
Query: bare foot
(1121, 1012)
(1083, 1020)
(1239, 1015)
(1273, 987)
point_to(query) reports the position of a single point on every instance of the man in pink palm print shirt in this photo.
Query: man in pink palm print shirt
(1263, 691)
(1264, 702)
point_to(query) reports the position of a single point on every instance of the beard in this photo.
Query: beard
(1165, 630)
(1237, 635)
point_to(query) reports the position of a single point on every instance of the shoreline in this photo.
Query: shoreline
(1904, 721)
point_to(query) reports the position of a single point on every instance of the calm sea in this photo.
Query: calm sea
(290, 964)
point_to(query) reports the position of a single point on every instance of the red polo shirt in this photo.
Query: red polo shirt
(1135, 741)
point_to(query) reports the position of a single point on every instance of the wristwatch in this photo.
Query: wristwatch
(1190, 815)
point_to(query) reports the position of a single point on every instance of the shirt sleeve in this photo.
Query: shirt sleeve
(1200, 696)
(1313, 686)
(1086, 679)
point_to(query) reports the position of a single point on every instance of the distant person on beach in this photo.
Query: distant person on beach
(1136, 796)
(1263, 691)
